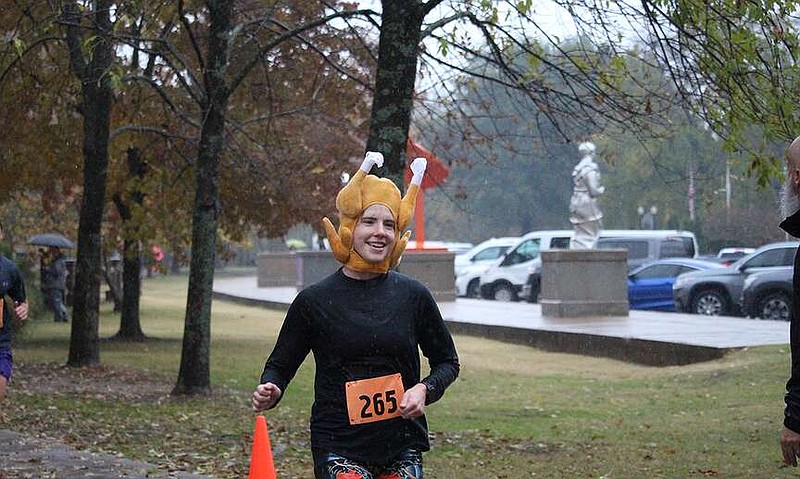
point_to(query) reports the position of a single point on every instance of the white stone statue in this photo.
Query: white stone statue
(584, 214)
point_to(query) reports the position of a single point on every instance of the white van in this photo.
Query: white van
(503, 280)
(470, 265)
(517, 274)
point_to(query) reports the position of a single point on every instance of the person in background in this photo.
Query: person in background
(44, 262)
(365, 325)
(790, 210)
(54, 283)
(13, 286)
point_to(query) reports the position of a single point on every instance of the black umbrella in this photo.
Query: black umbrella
(51, 239)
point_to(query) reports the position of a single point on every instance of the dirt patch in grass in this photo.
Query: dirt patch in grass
(101, 382)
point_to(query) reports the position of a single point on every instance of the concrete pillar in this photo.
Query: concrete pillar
(584, 282)
(434, 269)
(313, 266)
(276, 270)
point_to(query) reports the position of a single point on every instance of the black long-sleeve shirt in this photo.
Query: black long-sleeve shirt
(791, 417)
(11, 284)
(357, 330)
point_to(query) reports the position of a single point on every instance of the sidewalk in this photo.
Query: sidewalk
(28, 457)
(652, 338)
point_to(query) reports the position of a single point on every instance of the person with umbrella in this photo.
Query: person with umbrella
(51, 239)
(11, 284)
(53, 271)
(54, 282)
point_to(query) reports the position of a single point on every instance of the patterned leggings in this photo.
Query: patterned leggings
(407, 465)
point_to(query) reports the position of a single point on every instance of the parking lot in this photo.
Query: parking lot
(666, 272)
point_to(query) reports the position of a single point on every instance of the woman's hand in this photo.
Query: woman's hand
(413, 403)
(266, 396)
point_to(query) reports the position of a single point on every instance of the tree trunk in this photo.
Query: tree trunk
(114, 286)
(194, 375)
(130, 326)
(398, 52)
(96, 107)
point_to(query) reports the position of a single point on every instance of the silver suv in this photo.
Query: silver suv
(718, 291)
(768, 295)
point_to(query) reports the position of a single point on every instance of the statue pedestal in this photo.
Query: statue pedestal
(276, 269)
(584, 282)
(298, 269)
(435, 269)
(313, 266)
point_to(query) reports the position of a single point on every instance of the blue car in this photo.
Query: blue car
(650, 285)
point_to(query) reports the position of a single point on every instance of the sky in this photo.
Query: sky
(552, 18)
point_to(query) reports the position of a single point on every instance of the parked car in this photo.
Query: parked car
(470, 265)
(642, 246)
(728, 255)
(718, 291)
(452, 246)
(714, 259)
(768, 295)
(647, 245)
(650, 285)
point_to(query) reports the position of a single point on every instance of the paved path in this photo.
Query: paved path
(662, 338)
(27, 457)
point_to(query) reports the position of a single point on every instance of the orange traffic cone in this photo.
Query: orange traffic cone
(261, 465)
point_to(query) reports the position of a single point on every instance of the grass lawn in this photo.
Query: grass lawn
(514, 412)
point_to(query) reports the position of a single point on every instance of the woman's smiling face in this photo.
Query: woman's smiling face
(374, 236)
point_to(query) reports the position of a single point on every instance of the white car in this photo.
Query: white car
(728, 255)
(470, 265)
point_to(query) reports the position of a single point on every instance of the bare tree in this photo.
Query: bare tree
(93, 28)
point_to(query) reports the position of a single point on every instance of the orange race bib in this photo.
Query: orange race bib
(375, 399)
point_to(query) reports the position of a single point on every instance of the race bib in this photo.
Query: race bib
(375, 399)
